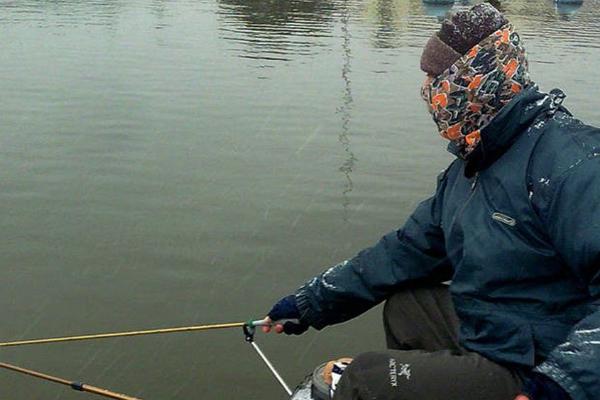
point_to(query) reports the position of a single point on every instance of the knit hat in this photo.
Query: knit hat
(459, 33)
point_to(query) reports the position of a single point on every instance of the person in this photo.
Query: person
(514, 226)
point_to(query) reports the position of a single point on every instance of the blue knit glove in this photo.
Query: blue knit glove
(286, 310)
(540, 387)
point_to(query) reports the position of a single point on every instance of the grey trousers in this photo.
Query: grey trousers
(424, 360)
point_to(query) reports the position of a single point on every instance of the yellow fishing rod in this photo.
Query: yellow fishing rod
(135, 333)
(82, 387)
(248, 327)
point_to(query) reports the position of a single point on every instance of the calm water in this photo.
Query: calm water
(167, 163)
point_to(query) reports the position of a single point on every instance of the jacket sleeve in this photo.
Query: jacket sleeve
(415, 252)
(572, 217)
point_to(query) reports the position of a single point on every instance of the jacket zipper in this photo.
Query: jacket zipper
(474, 183)
(462, 210)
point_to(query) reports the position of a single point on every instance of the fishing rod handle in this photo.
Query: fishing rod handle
(265, 322)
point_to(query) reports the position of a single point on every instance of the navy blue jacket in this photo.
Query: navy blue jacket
(516, 228)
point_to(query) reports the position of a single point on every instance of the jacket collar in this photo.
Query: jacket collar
(507, 126)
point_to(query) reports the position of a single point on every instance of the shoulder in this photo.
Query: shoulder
(565, 143)
(567, 150)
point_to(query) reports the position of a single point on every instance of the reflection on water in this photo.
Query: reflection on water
(62, 13)
(160, 10)
(345, 111)
(275, 30)
(498, 4)
(387, 16)
(566, 10)
(437, 10)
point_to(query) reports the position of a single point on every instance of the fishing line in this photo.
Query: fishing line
(249, 333)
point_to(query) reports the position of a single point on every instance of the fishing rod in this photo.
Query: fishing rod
(75, 385)
(249, 328)
(137, 333)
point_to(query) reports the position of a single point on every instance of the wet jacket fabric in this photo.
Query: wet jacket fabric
(516, 228)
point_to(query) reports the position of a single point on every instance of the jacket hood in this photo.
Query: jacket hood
(512, 120)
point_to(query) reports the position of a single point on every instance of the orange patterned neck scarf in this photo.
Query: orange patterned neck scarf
(466, 97)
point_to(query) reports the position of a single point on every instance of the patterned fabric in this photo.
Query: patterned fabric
(467, 96)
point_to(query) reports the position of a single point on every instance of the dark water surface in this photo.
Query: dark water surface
(167, 163)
